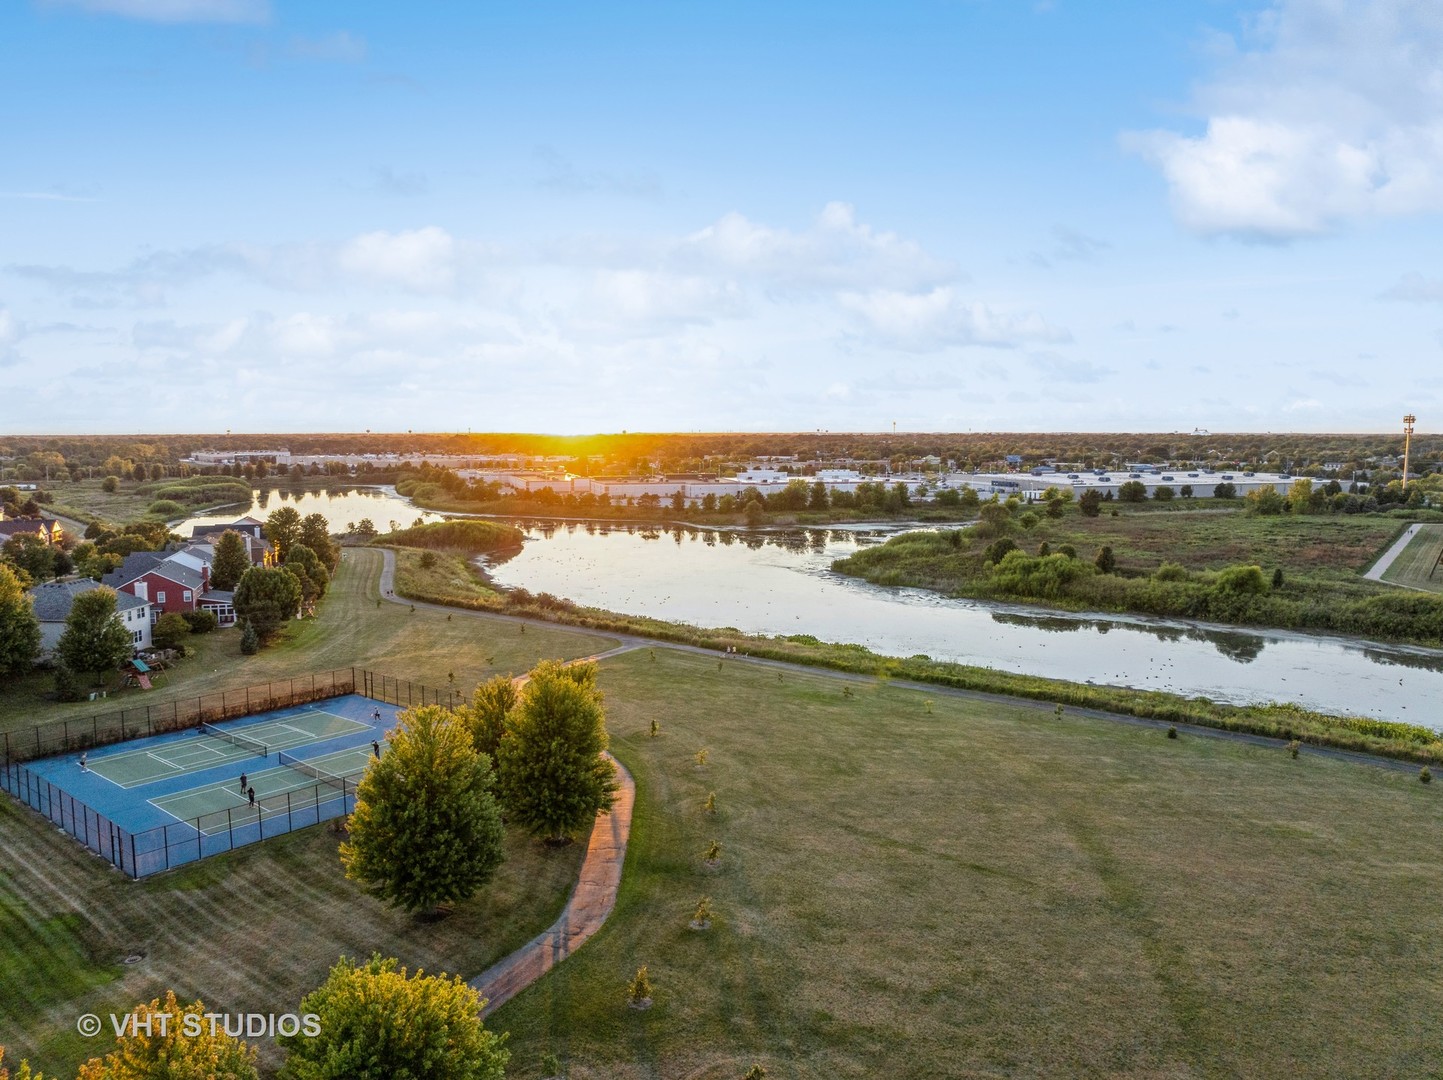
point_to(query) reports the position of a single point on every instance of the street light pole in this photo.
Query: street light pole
(1407, 445)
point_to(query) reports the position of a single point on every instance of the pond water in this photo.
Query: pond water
(781, 582)
(341, 506)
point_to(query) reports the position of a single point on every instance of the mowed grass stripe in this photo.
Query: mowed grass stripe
(1414, 562)
(985, 889)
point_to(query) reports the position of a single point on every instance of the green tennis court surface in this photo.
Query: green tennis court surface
(219, 806)
(204, 750)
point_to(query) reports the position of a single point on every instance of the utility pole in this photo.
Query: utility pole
(1407, 444)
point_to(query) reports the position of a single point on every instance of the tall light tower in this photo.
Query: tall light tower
(1407, 442)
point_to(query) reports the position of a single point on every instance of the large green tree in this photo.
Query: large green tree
(554, 779)
(95, 640)
(282, 529)
(268, 597)
(231, 560)
(26, 551)
(426, 829)
(320, 579)
(379, 1023)
(315, 533)
(486, 715)
(19, 628)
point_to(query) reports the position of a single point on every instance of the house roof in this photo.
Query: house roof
(217, 596)
(53, 599)
(18, 526)
(139, 563)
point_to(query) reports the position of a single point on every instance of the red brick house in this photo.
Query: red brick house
(169, 586)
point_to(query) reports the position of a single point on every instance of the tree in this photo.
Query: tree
(174, 1042)
(267, 597)
(250, 642)
(365, 529)
(1265, 501)
(169, 630)
(95, 640)
(1132, 491)
(754, 513)
(1225, 491)
(110, 485)
(231, 560)
(1105, 562)
(1300, 495)
(426, 829)
(554, 780)
(486, 715)
(301, 555)
(996, 519)
(19, 628)
(379, 1023)
(316, 534)
(1163, 493)
(282, 529)
(26, 551)
(1185, 491)
(1090, 502)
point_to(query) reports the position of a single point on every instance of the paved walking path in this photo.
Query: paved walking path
(590, 903)
(1381, 566)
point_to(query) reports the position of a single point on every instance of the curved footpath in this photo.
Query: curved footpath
(594, 896)
(586, 909)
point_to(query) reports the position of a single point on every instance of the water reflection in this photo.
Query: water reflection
(341, 506)
(780, 582)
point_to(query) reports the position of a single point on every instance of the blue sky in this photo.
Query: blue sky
(263, 215)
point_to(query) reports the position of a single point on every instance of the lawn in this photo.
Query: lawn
(968, 889)
(351, 629)
(251, 931)
(1418, 561)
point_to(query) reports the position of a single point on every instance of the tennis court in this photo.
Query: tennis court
(212, 746)
(221, 805)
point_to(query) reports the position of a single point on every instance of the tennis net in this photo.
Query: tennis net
(301, 765)
(243, 741)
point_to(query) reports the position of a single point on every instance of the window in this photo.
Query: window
(136, 636)
(185, 596)
(160, 597)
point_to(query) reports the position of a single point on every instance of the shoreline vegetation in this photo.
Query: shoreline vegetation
(1279, 572)
(443, 584)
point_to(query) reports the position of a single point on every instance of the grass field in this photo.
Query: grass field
(252, 931)
(351, 629)
(1418, 560)
(988, 890)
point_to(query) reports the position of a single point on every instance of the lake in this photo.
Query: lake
(781, 582)
(341, 506)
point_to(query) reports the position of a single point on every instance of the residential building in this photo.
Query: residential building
(52, 607)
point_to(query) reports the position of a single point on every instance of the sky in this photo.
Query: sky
(571, 217)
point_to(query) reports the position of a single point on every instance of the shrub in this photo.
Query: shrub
(67, 685)
(710, 805)
(169, 630)
(1068, 550)
(1133, 491)
(1225, 491)
(756, 1072)
(1425, 775)
(110, 485)
(1106, 561)
(428, 560)
(165, 508)
(1278, 578)
(1170, 572)
(1246, 580)
(1294, 747)
(1090, 502)
(999, 549)
(1172, 731)
(701, 756)
(550, 1064)
(472, 536)
(638, 991)
(712, 853)
(250, 642)
(702, 915)
(200, 622)
(1163, 493)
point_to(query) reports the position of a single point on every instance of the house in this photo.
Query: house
(168, 586)
(251, 530)
(52, 608)
(246, 526)
(48, 529)
(221, 604)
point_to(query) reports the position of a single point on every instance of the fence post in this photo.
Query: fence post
(199, 835)
(289, 824)
(134, 866)
(230, 828)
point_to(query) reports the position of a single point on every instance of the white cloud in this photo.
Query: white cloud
(1417, 289)
(837, 252)
(941, 318)
(1326, 111)
(423, 260)
(175, 11)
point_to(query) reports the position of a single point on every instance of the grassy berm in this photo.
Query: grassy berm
(924, 885)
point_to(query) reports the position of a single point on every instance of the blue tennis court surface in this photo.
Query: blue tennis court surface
(179, 796)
